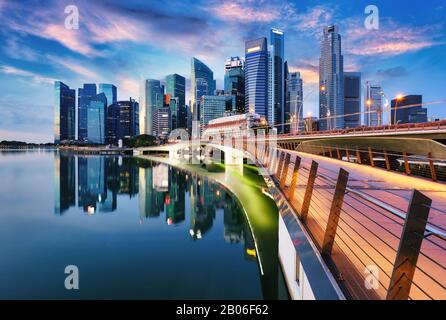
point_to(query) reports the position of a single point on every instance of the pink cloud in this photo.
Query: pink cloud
(244, 12)
(76, 67)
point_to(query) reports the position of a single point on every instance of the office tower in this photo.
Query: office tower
(235, 82)
(201, 75)
(96, 115)
(64, 112)
(352, 99)
(294, 103)
(128, 119)
(84, 96)
(373, 105)
(271, 116)
(277, 40)
(409, 109)
(331, 78)
(213, 107)
(256, 76)
(151, 98)
(112, 115)
(176, 89)
(162, 122)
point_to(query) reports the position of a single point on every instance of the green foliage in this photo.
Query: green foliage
(143, 140)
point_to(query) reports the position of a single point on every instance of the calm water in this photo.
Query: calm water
(134, 229)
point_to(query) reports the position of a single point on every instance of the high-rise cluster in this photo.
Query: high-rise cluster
(101, 119)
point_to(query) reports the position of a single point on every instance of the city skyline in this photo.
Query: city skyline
(38, 49)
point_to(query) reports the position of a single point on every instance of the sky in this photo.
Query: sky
(122, 42)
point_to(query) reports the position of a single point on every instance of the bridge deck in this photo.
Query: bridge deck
(368, 236)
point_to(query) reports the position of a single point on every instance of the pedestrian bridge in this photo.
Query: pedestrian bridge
(372, 233)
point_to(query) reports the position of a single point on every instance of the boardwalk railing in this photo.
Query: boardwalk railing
(373, 250)
(423, 165)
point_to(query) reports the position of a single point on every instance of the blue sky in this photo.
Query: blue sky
(121, 42)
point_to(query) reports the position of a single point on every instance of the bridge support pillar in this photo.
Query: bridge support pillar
(280, 165)
(409, 247)
(432, 167)
(335, 211)
(372, 162)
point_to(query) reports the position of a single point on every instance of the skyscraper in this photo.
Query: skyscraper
(408, 109)
(112, 112)
(235, 82)
(128, 119)
(256, 76)
(294, 96)
(278, 52)
(373, 105)
(110, 92)
(151, 98)
(176, 89)
(96, 115)
(64, 112)
(84, 96)
(331, 80)
(213, 107)
(352, 99)
(201, 75)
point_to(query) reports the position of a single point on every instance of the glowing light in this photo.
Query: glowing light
(251, 252)
(254, 49)
(322, 88)
(309, 114)
(399, 97)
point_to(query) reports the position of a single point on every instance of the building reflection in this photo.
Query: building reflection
(93, 184)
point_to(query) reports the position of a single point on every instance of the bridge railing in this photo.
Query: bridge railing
(374, 250)
(423, 165)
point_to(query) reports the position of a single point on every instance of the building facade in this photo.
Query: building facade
(294, 102)
(213, 107)
(277, 40)
(235, 82)
(331, 80)
(96, 115)
(408, 109)
(64, 112)
(128, 119)
(176, 89)
(84, 96)
(162, 122)
(373, 105)
(256, 77)
(202, 83)
(352, 99)
(151, 98)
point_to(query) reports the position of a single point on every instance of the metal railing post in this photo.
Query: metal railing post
(335, 211)
(294, 179)
(432, 167)
(279, 169)
(406, 163)
(358, 155)
(338, 153)
(329, 151)
(285, 171)
(347, 153)
(372, 162)
(409, 248)
(309, 191)
(386, 158)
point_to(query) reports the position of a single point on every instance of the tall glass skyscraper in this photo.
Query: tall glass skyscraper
(110, 92)
(176, 89)
(293, 101)
(151, 98)
(256, 76)
(112, 113)
(200, 74)
(64, 112)
(277, 39)
(352, 99)
(96, 124)
(213, 107)
(128, 119)
(373, 105)
(331, 81)
(235, 82)
(84, 96)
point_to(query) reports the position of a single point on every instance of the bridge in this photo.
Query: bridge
(379, 232)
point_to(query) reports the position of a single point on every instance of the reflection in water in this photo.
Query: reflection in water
(95, 181)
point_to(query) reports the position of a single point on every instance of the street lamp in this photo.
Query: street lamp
(397, 98)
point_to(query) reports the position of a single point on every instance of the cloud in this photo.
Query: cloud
(314, 20)
(244, 11)
(14, 48)
(390, 40)
(393, 72)
(76, 67)
(37, 78)
(128, 86)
